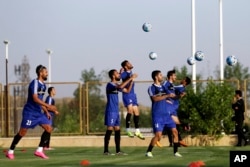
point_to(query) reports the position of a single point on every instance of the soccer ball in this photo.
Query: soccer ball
(152, 55)
(147, 27)
(199, 55)
(231, 60)
(191, 60)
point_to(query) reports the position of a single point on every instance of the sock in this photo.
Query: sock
(136, 121)
(15, 141)
(44, 139)
(106, 140)
(150, 148)
(170, 137)
(117, 140)
(179, 133)
(11, 152)
(48, 142)
(39, 149)
(176, 145)
(128, 117)
(137, 130)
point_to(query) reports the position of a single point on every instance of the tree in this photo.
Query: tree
(183, 72)
(206, 108)
(95, 96)
(69, 119)
(235, 72)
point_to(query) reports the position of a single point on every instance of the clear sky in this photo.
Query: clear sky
(103, 33)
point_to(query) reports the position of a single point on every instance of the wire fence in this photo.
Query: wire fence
(82, 107)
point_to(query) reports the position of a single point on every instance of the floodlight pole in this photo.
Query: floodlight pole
(221, 42)
(49, 52)
(193, 43)
(6, 42)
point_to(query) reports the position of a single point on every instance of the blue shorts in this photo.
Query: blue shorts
(31, 121)
(112, 119)
(51, 118)
(159, 125)
(172, 109)
(129, 99)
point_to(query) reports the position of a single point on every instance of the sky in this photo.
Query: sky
(100, 34)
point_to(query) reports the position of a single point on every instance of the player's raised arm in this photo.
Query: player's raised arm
(123, 84)
(127, 90)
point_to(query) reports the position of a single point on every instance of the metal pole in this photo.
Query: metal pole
(221, 42)
(15, 110)
(6, 42)
(49, 68)
(193, 43)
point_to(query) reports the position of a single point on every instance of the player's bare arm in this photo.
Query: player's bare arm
(46, 112)
(162, 97)
(122, 85)
(40, 102)
(175, 119)
(127, 90)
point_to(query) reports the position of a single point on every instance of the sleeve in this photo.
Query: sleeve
(168, 87)
(34, 87)
(241, 105)
(110, 88)
(49, 100)
(123, 76)
(53, 102)
(234, 105)
(151, 91)
(179, 89)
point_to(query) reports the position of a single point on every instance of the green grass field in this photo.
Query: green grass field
(71, 157)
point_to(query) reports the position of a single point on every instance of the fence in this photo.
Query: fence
(95, 121)
(11, 114)
(81, 107)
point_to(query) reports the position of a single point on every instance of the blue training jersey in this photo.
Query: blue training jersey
(159, 108)
(112, 97)
(169, 87)
(126, 75)
(179, 89)
(49, 100)
(31, 107)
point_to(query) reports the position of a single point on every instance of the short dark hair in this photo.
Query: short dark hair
(50, 89)
(155, 73)
(39, 68)
(188, 80)
(238, 92)
(170, 73)
(123, 64)
(111, 73)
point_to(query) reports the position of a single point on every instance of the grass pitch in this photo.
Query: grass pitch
(72, 156)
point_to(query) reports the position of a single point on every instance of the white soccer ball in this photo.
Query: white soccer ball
(147, 27)
(191, 60)
(152, 55)
(199, 55)
(231, 60)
